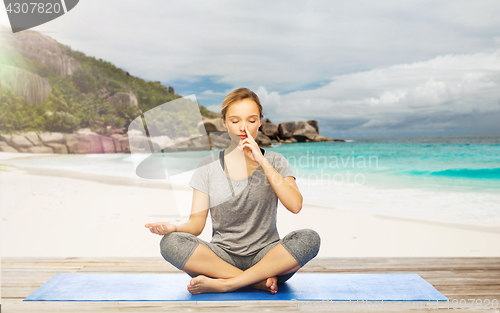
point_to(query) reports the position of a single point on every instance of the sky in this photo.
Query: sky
(360, 68)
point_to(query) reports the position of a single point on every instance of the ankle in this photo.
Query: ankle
(229, 285)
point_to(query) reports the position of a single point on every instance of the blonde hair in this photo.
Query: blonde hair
(237, 95)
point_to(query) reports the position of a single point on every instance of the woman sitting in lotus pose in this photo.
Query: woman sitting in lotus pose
(241, 187)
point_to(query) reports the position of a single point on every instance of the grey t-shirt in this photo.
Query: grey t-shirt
(244, 218)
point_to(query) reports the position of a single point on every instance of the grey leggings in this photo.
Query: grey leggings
(302, 244)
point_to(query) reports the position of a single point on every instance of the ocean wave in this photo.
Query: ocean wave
(482, 173)
(349, 140)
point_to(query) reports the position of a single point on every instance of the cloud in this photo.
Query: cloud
(283, 47)
(211, 93)
(419, 96)
(214, 108)
(270, 101)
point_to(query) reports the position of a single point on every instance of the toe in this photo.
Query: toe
(269, 282)
(193, 281)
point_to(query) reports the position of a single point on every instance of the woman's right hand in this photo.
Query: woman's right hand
(161, 228)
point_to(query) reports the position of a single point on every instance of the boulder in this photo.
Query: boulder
(314, 124)
(123, 99)
(20, 142)
(180, 144)
(4, 147)
(142, 144)
(162, 141)
(34, 138)
(135, 132)
(51, 137)
(108, 145)
(304, 132)
(71, 142)
(211, 125)
(199, 143)
(33, 88)
(116, 142)
(269, 129)
(262, 140)
(124, 143)
(88, 142)
(42, 48)
(40, 150)
(58, 148)
(319, 138)
(286, 130)
(220, 140)
(5, 137)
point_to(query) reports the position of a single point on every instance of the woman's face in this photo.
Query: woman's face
(239, 114)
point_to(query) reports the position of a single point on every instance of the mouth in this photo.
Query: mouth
(242, 136)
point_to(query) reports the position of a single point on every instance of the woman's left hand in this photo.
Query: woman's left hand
(250, 148)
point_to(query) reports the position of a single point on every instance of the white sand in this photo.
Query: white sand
(65, 214)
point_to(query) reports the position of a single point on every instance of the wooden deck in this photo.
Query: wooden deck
(456, 278)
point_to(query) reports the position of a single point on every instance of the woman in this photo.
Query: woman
(245, 248)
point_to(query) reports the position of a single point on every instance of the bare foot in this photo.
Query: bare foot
(204, 284)
(270, 284)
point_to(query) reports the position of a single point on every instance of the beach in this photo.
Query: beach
(62, 213)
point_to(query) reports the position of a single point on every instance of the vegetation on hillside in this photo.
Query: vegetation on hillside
(74, 102)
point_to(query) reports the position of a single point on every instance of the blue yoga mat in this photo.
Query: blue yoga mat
(173, 287)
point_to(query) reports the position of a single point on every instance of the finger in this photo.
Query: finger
(248, 132)
(247, 145)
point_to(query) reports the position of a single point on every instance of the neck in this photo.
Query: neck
(235, 153)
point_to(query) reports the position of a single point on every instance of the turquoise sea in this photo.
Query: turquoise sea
(458, 163)
(453, 179)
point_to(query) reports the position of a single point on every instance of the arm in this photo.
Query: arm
(199, 212)
(195, 223)
(286, 189)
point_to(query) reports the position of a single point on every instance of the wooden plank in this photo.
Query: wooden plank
(348, 261)
(456, 278)
(88, 264)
